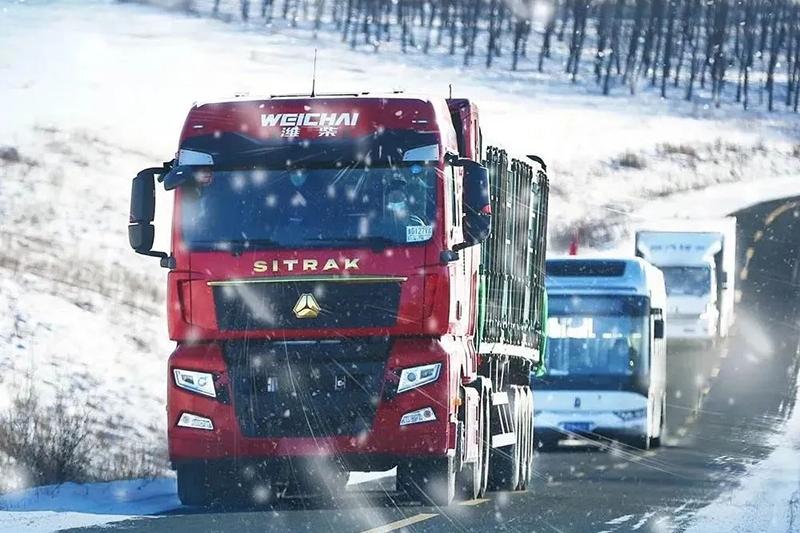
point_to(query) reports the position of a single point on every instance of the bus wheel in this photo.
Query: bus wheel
(430, 481)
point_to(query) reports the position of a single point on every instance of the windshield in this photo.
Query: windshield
(266, 208)
(687, 281)
(597, 336)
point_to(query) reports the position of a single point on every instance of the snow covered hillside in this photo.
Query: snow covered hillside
(93, 91)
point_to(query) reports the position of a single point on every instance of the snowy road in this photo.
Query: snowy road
(726, 411)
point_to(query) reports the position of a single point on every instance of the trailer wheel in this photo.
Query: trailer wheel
(504, 467)
(486, 436)
(430, 481)
(527, 431)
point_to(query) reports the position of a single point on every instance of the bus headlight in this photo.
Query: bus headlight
(199, 382)
(416, 376)
(631, 414)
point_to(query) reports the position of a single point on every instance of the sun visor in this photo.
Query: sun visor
(188, 163)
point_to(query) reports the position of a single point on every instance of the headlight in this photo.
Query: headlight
(632, 414)
(199, 382)
(188, 420)
(411, 378)
(418, 416)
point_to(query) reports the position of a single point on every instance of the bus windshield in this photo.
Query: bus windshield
(597, 336)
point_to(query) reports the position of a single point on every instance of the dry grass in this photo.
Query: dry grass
(631, 160)
(678, 149)
(47, 444)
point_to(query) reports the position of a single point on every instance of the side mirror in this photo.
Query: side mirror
(658, 323)
(141, 233)
(476, 204)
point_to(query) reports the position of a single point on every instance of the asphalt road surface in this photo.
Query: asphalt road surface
(723, 406)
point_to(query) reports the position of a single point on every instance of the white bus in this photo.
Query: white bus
(604, 374)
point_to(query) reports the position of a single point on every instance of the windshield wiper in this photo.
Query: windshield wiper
(375, 242)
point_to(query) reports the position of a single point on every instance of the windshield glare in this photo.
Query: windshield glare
(687, 281)
(596, 336)
(263, 208)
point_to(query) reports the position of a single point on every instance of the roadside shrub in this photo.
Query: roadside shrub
(631, 160)
(45, 445)
(678, 149)
(49, 444)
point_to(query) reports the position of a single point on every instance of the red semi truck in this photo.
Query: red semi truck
(353, 285)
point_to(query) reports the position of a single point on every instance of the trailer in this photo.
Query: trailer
(354, 284)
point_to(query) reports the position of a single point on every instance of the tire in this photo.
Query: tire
(430, 481)
(487, 437)
(504, 467)
(643, 442)
(468, 481)
(527, 450)
(194, 487)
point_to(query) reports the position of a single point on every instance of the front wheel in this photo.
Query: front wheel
(431, 481)
(194, 485)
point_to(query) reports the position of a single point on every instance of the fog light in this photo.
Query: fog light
(418, 416)
(188, 420)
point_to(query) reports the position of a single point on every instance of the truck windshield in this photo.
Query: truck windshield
(313, 207)
(599, 336)
(687, 281)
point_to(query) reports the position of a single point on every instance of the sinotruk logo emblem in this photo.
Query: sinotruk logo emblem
(306, 306)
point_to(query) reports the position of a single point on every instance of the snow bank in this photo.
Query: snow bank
(768, 497)
(53, 508)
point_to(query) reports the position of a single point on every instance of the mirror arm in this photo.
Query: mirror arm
(167, 261)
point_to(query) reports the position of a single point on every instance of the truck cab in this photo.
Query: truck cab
(323, 292)
(698, 261)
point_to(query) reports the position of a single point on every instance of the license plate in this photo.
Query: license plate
(577, 427)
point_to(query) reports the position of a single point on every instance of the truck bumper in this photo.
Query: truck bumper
(690, 330)
(378, 445)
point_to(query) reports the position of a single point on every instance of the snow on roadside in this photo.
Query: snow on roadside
(53, 508)
(767, 499)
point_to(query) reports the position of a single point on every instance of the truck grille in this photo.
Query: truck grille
(306, 388)
(253, 306)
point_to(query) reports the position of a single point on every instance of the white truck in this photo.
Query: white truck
(698, 259)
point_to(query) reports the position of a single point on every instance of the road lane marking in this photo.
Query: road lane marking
(477, 501)
(715, 372)
(394, 526)
(770, 218)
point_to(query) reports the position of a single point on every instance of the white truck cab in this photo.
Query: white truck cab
(697, 258)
